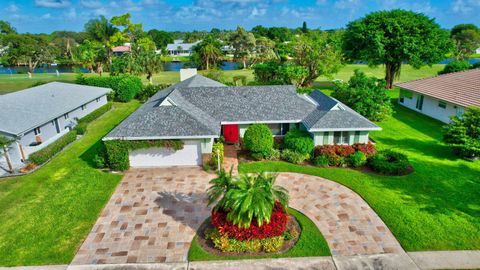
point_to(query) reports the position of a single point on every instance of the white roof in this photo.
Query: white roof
(185, 46)
(24, 110)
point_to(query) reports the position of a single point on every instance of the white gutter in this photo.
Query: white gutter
(260, 122)
(159, 138)
(344, 129)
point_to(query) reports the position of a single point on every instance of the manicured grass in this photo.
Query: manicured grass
(11, 83)
(310, 243)
(437, 207)
(46, 215)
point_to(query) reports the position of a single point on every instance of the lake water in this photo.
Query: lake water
(167, 66)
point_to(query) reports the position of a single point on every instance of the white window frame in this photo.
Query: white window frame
(442, 104)
(342, 137)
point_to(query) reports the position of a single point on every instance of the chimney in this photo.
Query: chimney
(186, 73)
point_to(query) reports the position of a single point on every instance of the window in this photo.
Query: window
(66, 116)
(98, 99)
(37, 131)
(326, 134)
(84, 107)
(285, 128)
(401, 99)
(442, 104)
(275, 128)
(341, 137)
(356, 137)
(419, 104)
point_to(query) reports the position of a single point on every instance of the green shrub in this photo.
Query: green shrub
(273, 155)
(128, 88)
(149, 90)
(463, 133)
(123, 86)
(299, 141)
(117, 150)
(258, 138)
(336, 160)
(95, 114)
(258, 156)
(43, 155)
(455, 66)
(81, 128)
(99, 161)
(389, 162)
(357, 159)
(293, 157)
(321, 161)
(226, 244)
(217, 147)
(272, 244)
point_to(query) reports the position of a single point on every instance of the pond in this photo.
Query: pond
(167, 66)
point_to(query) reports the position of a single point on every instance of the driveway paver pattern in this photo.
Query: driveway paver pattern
(154, 214)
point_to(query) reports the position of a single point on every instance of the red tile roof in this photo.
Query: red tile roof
(121, 49)
(461, 88)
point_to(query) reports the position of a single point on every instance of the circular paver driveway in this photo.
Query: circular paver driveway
(154, 213)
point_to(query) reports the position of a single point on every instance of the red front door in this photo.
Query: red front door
(231, 133)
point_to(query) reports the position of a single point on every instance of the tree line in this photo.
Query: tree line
(277, 54)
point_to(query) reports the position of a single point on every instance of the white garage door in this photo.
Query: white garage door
(159, 157)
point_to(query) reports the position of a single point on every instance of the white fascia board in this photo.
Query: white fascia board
(159, 138)
(260, 122)
(344, 129)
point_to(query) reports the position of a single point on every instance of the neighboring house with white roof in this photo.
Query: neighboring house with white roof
(179, 48)
(442, 96)
(37, 116)
(197, 110)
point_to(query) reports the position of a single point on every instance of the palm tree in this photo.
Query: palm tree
(210, 54)
(150, 62)
(248, 197)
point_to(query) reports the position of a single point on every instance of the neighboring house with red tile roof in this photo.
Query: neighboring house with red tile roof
(442, 96)
(120, 50)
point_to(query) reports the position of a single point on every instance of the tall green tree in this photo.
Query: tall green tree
(463, 133)
(128, 32)
(92, 55)
(208, 52)
(316, 53)
(394, 37)
(264, 50)
(29, 49)
(161, 38)
(6, 28)
(466, 38)
(101, 30)
(149, 63)
(243, 44)
(304, 27)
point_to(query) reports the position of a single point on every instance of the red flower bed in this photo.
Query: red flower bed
(332, 150)
(367, 148)
(276, 227)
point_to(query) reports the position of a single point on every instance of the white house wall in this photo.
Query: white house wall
(431, 108)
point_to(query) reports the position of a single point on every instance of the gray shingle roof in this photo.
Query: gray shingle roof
(331, 114)
(24, 110)
(200, 105)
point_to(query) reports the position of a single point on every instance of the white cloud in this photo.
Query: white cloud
(52, 3)
(46, 16)
(72, 13)
(258, 12)
(346, 4)
(466, 6)
(12, 8)
(321, 2)
(90, 4)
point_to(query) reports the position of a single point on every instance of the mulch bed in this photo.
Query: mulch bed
(207, 245)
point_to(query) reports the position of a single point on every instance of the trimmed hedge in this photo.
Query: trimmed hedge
(81, 127)
(299, 141)
(117, 150)
(390, 162)
(258, 138)
(125, 87)
(43, 155)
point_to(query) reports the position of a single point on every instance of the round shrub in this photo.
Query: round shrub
(390, 162)
(293, 157)
(357, 159)
(276, 226)
(128, 88)
(299, 141)
(321, 161)
(258, 139)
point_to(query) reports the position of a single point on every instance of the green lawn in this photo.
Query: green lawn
(11, 83)
(46, 215)
(311, 243)
(435, 208)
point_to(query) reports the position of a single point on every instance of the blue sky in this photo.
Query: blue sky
(37, 16)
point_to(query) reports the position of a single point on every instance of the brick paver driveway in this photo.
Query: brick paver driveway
(154, 213)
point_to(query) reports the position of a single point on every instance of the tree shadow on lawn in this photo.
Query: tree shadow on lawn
(98, 148)
(190, 209)
(441, 189)
(431, 148)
